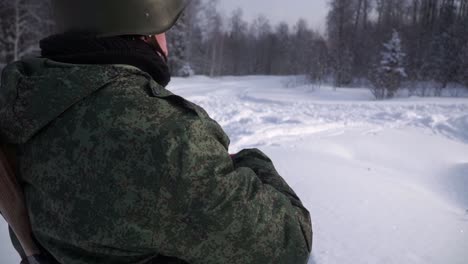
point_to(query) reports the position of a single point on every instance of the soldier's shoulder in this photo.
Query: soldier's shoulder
(192, 117)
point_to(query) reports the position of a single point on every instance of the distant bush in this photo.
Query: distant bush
(296, 81)
(185, 71)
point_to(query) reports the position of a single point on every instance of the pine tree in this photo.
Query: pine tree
(178, 43)
(441, 63)
(391, 71)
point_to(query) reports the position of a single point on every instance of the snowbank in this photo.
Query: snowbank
(385, 182)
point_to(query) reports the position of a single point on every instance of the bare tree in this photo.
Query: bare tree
(340, 24)
(237, 44)
(281, 52)
(463, 70)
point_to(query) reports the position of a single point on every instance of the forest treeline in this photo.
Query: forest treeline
(433, 35)
(431, 38)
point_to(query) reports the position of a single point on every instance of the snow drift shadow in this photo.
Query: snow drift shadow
(312, 260)
(456, 128)
(456, 182)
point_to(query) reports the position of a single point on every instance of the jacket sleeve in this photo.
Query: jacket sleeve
(226, 213)
(265, 170)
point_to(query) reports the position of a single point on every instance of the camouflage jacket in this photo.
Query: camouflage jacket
(117, 169)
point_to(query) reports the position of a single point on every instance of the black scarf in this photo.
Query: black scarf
(78, 48)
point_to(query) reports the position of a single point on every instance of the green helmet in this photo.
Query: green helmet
(118, 17)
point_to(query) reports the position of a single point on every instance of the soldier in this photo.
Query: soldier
(117, 169)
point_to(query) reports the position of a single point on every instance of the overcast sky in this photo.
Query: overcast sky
(314, 11)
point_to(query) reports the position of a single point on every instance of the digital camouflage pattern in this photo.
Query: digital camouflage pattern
(117, 169)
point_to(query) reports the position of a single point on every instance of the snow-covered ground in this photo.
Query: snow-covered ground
(385, 182)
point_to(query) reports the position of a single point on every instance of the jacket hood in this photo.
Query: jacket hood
(35, 92)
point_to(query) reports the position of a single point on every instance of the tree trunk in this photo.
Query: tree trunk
(17, 33)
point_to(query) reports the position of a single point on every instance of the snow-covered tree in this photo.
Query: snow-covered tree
(186, 71)
(22, 24)
(390, 71)
(178, 44)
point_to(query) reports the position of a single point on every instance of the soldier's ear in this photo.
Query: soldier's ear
(159, 42)
(161, 39)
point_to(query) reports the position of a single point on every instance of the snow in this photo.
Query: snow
(385, 182)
